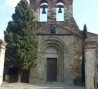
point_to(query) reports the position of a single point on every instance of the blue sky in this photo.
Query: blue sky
(84, 12)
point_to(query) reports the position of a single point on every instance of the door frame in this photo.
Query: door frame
(56, 69)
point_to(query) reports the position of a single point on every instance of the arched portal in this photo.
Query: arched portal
(51, 60)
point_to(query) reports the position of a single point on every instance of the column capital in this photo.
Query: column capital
(2, 44)
(90, 44)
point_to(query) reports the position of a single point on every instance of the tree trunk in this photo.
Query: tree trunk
(19, 76)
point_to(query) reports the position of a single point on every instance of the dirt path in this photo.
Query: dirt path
(39, 86)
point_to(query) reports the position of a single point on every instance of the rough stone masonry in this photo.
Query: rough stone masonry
(2, 58)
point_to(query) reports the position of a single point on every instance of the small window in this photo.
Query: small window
(52, 29)
(43, 12)
(60, 11)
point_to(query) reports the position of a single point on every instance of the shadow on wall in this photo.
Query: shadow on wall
(10, 75)
(78, 81)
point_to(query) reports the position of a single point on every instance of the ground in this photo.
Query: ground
(39, 86)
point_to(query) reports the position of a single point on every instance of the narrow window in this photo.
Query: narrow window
(43, 12)
(60, 11)
(52, 29)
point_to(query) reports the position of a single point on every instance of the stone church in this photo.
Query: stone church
(60, 43)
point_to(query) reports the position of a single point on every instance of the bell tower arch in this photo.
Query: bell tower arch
(52, 5)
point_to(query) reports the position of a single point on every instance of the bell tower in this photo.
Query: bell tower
(56, 10)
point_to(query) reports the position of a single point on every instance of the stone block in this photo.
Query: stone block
(68, 61)
(68, 75)
(1, 80)
(90, 57)
(89, 82)
(89, 69)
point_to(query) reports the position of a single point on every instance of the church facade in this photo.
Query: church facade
(60, 43)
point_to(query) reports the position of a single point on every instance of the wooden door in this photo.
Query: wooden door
(51, 69)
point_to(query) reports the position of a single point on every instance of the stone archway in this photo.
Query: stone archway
(55, 50)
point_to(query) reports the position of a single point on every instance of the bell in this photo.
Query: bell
(60, 6)
(44, 7)
(43, 12)
(60, 11)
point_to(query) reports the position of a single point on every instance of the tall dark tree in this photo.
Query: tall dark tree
(85, 36)
(83, 67)
(22, 43)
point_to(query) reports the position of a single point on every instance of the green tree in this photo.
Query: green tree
(83, 67)
(85, 36)
(22, 43)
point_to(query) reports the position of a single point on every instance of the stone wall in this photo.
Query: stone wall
(77, 65)
(66, 27)
(35, 4)
(2, 56)
(64, 46)
(90, 59)
(93, 36)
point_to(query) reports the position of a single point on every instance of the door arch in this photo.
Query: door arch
(58, 47)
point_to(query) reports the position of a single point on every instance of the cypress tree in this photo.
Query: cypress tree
(83, 67)
(85, 36)
(22, 43)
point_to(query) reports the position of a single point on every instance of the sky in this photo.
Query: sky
(84, 12)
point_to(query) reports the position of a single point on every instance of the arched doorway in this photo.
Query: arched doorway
(52, 60)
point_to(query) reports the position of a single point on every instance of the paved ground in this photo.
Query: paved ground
(39, 86)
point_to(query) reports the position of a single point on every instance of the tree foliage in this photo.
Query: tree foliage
(85, 36)
(22, 43)
(83, 67)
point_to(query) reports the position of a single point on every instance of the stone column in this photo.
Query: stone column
(2, 55)
(90, 57)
